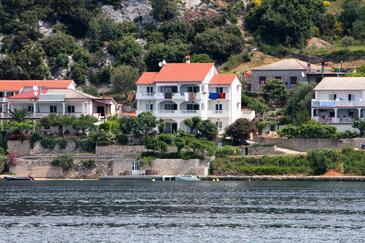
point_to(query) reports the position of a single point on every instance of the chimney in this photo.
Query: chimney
(187, 59)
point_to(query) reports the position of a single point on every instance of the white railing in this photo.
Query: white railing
(336, 103)
(175, 96)
(217, 113)
(334, 120)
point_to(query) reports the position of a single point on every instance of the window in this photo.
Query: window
(262, 80)
(149, 107)
(194, 89)
(149, 89)
(293, 80)
(70, 109)
(218, 107)
(351, 97)
(192, 107)
(53, 109)
(219, 125)
(171, 107)
(219, 90)
(333, 96)
(278, 77)
(30, 108)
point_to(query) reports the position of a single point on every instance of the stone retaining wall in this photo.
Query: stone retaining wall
(303, 144)
(180, 167)
(261, 150)
(22, 149)
(124, 151)
(41, 167)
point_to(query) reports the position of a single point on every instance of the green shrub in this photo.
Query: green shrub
(166, 138)
(65, 161)
(3, 162)
(228, 150)
(87, 144)
(49, 142)
(104, 138)
(62, 143)
(88, 164)
(311, 129)
(122, 139)
(35, 137)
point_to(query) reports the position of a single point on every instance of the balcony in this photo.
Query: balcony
(336, 103)
(170, 96)
(339, 120)
(174, 113)
(217, 113)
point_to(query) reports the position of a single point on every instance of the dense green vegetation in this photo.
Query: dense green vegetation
(98, 51)
(290, 23)
(318, 162)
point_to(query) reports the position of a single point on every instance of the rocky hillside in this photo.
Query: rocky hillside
(105, 44)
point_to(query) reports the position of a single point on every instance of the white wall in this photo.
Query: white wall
(341, 95)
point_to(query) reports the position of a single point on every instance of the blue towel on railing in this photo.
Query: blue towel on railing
(213, 96)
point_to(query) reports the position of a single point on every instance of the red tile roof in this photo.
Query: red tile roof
(183, 72)
(27, 95)
(16, 85)
(223, 79)
(147, 78)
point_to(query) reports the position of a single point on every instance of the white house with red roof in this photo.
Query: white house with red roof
(43, 97)
(184, 90)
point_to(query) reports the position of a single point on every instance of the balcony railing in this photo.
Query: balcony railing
(336, 103)
(170, 96)
(334, 120)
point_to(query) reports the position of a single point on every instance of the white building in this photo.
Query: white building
(185, 90)
(338, 101)
(43, 97)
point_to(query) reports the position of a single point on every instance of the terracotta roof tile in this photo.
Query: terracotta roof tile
(17, 85)
(223, 79)
(183, 72)
(147, 78)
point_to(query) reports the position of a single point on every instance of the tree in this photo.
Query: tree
(85, 123)
(79, 72)
(54, 120)
(239, 131)
(18, 115)
(202, 129)
(173, 52)
(193, 124)
(145, 124)
(287, 22)
(298, 107)
(208, 130)
(163, 9)
(127, 51)
(217, 44)
(274, 92)
(359, 124)
(201, 58)
(123, 78)
(31, 62)
(58, 43)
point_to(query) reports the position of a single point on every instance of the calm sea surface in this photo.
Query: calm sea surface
(117, 211)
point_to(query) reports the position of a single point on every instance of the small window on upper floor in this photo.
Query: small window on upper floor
(150, 89)
(262, 80)
(351, 97)
(333, 96)
(219, 90)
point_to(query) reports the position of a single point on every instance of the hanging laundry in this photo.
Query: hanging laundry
(213, 96)
(192, 96)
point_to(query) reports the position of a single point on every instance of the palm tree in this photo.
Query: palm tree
(18, 114)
